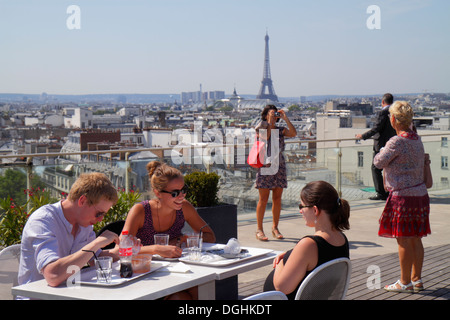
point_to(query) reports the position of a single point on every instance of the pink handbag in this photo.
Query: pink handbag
(256, 155)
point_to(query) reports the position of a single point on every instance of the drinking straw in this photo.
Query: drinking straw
(99, 265)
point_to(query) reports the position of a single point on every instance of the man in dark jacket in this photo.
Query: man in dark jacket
(381, 132)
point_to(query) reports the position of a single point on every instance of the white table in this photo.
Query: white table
(155, 285)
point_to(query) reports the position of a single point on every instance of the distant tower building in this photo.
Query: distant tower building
(266, 82)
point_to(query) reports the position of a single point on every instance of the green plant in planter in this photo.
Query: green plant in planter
(203, 188)
(13, 216)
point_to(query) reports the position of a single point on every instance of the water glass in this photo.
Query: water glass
(161, 239)
(103, 267)
(194, 249)
(195, 235)
(136, 246)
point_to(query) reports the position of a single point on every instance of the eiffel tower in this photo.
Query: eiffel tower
(266, 82)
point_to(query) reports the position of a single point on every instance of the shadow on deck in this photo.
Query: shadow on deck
(435, 276)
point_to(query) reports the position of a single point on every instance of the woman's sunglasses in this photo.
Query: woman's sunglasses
(300, 206)
(176, 193)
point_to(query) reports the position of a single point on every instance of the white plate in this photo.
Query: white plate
(213, 260)
(159, 258)
(89, 276)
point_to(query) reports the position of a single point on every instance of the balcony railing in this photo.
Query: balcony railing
(345, 163)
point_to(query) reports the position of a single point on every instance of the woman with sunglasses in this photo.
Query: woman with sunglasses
(329, 215)
(166, 213)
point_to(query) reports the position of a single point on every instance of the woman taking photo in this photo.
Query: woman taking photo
(275, 182)
(406, 214)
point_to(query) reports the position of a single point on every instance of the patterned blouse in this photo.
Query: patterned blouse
(403, 161)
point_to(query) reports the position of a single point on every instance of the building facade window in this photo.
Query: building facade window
(444, 162)
(360, 159)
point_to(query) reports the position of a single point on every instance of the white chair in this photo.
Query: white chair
(329, 281)
(269, 295)
(9, 269)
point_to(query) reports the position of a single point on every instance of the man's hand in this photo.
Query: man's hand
(106, 238)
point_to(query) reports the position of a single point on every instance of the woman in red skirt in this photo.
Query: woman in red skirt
(406, 214)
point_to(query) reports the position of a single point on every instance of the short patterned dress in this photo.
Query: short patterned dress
(147, 232)
(279, 179)
(407, 209)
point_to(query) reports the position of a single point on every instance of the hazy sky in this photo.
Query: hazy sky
(169, 46)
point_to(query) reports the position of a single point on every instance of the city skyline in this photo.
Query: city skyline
(162, 47)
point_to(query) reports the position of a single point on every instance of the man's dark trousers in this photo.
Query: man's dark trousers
(377, 175)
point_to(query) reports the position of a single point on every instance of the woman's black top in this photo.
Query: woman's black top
(327, 252)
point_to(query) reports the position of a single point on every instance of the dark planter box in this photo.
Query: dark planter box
(223, 221)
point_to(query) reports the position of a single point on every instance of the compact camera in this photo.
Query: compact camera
(277, 114)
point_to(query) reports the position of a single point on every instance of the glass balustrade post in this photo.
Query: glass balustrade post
(127, 172)
(339, 168)
(29, 177)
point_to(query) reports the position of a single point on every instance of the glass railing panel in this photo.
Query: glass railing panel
(439, 155)
(346, 165)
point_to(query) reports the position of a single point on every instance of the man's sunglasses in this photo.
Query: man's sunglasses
(99, 213)
(176, 193)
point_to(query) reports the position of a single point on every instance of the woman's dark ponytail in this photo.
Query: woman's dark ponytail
(325, 197)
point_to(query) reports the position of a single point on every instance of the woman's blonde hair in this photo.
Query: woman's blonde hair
(402, 113)
(160, 174)
(95, 186)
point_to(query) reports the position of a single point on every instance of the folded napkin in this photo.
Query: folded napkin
(178, 267)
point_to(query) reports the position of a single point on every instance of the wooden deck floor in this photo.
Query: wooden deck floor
(435, 275)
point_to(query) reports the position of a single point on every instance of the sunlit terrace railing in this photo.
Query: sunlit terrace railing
(345, 163)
